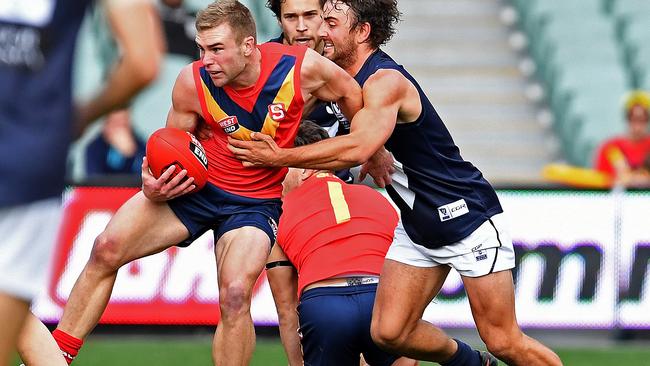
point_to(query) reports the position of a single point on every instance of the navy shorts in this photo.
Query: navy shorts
(335, 326)
(214, 208)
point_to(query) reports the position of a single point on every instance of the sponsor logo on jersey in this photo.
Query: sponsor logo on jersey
(277, 111)
(197, 149)
(229, 124)
(453, 210)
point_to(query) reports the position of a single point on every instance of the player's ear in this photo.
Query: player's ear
(249, 45)
(363, 32)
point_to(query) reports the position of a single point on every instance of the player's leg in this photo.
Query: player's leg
(403, 293)
(488, 282)
(412, 275)
(12, 315)
(370, 351)
(492, 302)
(139, 228)
(27, 235)
(241, 256)
(36, 346)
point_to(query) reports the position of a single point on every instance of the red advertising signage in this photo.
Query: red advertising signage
(177, 286)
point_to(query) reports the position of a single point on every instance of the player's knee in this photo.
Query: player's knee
(106, 254)
(387, 336)
(234, 300)
(502, 344)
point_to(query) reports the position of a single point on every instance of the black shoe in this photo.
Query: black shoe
(487, 359)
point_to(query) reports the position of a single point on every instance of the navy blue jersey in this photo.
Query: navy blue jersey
(36, 52)
(442, 198)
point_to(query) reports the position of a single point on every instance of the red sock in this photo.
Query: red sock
(68, 344)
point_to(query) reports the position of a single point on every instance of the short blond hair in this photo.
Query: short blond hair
(232, 12)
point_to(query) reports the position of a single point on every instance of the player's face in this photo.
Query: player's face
(337, 34)
(221, 54)
(292, 180)
(638, 121)
(300, 21)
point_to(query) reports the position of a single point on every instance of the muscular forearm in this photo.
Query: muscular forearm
(331, 154)
(290, 338)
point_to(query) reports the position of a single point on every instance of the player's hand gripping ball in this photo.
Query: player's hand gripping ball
(171, 146)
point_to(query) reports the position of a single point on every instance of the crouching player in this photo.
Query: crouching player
(332, 239)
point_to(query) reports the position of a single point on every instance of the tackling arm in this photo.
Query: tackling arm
(323, 79)
(383, 96)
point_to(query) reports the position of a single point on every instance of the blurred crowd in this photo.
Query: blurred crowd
(625, 159)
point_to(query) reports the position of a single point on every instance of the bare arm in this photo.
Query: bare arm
(185, 112)
(284, 286)
(323, 79)
(384, 95)
(136, 28)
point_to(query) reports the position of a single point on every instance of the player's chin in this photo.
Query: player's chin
(219, 81)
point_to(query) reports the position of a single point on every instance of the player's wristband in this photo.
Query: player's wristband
(278, 264)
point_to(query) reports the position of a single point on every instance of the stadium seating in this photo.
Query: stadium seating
(588, 54)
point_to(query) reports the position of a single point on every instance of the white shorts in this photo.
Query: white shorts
(27, 236)
(488, 249)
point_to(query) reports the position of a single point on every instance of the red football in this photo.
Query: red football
(171, 146)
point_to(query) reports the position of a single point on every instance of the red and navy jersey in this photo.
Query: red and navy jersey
(329, 228)
(272, 106)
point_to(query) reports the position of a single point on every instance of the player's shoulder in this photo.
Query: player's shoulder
(386, 76)
(185, 78)
(387, 84)
(184, 91)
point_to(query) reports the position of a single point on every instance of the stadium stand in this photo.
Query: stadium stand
(587, 54)
(466, 65)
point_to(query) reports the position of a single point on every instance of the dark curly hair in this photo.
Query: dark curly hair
(276, 6)
(380, 14)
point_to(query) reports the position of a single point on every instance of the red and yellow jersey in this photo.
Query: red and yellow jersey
(329, 228)
(622, 151)
(272, 106)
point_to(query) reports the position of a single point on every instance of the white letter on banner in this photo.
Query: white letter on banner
(193, 273)
(91, 226)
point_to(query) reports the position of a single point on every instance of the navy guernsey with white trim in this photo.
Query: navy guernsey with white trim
(442, 197)
(36, 115)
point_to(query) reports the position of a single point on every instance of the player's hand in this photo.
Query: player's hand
(380, 167)
(164, 188)
(261, 151)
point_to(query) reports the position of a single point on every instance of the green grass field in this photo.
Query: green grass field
(106, 351)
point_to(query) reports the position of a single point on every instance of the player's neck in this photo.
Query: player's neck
(251, 73)
(363, 52)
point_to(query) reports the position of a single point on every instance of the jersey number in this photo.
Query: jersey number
(337, 199)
